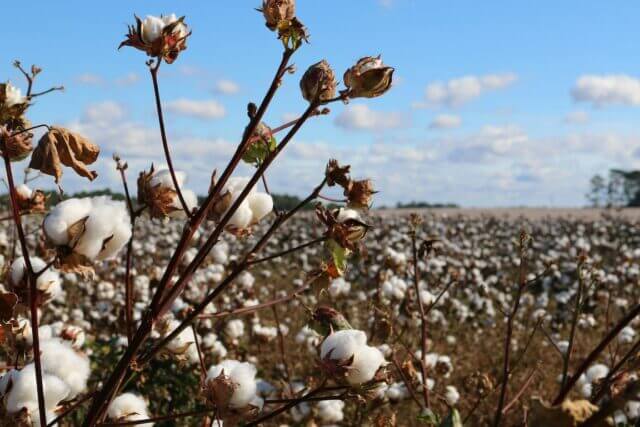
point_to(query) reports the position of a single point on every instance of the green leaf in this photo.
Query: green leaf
(452, 420)
(339, 255)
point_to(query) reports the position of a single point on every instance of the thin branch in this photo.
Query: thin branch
(163, 134)
(288, 251)
(33, 289)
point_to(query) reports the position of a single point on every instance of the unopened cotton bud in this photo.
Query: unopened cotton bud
(318, 83)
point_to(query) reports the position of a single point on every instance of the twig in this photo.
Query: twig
(163, 134)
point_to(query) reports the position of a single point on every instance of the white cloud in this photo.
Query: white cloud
(611, 89)
(201, 109)
(488, 144)
(128, 80)
(104, 112)
(90, 79)
(576, 117)
(226, 87)
(445, 121)
(361, 117)
(459, 91)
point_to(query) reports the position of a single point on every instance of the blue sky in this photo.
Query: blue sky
(495, 103)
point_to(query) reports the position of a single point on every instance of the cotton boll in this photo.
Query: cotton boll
(342, 344)
(47, 282)
(24, 393)
(330, 411)
(128, 407)
(261, 204)
(345, 214)
(597, 372)
(243, 375)
(234, 328)
(632, 409)
(24, 191)
(60, 359)
(365, 364)
(339, 287)
(451, 395)
(242, 217)
(62, 216)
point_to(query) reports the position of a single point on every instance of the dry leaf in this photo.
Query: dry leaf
(59, 147)
(8, 301)
(571, 413)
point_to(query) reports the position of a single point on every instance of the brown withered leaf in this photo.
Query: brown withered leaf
(8, 301)
(61, 147)
(571, 413)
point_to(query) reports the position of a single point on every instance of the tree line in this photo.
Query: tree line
(621, 188)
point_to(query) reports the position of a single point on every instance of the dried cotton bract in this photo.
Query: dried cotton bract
(156, 190)
(88, 229)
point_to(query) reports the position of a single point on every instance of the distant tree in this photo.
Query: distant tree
(597, 194)
(622, 188)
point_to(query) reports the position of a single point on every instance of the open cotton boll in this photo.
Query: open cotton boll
(24, 191)
(597, 372)
(106, 228)
(345, 214)
(60, 359)
(48, 281)
(339, 287)
(366, 362)
(242, 217)
(24, 393)
(129, 407)
(62, 216)
(451, 395)
(330, 411)
(342, 344)
(261, 204)
(243, 375)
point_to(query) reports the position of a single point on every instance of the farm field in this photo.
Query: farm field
(467, 284)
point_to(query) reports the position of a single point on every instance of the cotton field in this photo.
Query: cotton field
(277, 335)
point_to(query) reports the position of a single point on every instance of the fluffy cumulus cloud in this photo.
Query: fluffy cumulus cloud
(226, 87)
(459, 91)
(605, 90)
(361, 117)
(200, 109)
(445, 121)
(492, 165)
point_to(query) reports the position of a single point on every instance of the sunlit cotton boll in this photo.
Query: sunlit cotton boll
(451, 395)
(13, 96)
(330, 411)
(60, 359)
(243, 375)
(345, 344)
(163, 179)
(47, 282)
(24, 394)
(106, 228)
(129, 407)
(252, 209)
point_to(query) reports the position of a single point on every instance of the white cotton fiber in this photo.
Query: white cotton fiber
(365, 364)
(243, 374)
(24, 393)
(128, 407)
(261, 204)
(343, 344)
(107, 226)
(60, 359)
(62, 216)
